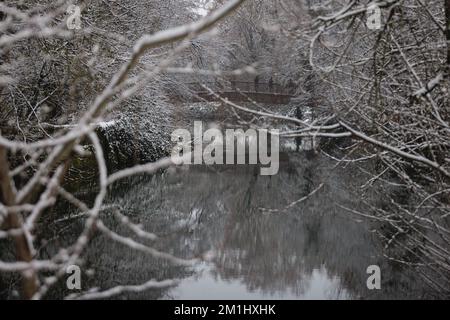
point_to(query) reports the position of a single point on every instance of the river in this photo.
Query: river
(259, 236)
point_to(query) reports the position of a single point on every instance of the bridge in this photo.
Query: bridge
(240, 91)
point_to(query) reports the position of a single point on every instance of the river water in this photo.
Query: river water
(287, 236)
(258, 238)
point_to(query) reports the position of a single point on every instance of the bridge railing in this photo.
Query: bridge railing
(238, 86)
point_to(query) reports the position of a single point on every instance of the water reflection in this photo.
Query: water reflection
(207, 283)
(311, 250)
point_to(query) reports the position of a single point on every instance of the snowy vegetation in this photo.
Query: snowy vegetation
(107, 95)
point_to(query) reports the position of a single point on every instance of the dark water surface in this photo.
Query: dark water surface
(260, 241)
(312, 249)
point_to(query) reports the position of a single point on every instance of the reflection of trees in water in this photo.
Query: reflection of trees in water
(269, 252)
(275, 252)
(200, 209)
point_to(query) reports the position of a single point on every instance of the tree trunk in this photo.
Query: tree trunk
(14, 221)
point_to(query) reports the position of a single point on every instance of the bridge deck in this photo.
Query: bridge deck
(239, 91)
